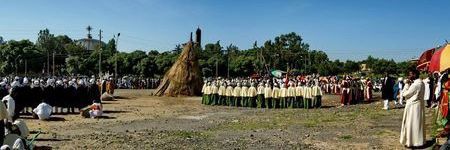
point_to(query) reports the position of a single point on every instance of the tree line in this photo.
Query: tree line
(284, 51)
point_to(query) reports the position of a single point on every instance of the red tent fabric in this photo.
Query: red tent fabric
(424, 60)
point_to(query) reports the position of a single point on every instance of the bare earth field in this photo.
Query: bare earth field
(140, 121)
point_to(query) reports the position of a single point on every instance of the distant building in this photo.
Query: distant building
(89, 43)
(364, 68)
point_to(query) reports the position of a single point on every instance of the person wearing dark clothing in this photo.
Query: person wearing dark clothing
(3, 91)
(27, 102)
(82, 96)
(60, 97)
(49, 95)
(94, 93)
(71, 97)
(19, 96)
(36, 95)
(387, 90)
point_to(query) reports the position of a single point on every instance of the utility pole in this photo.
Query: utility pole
(117, 54)
(100, 55)
(15, 62)
(217, 68)
(287, 67)
(53, 63)
(48, 63)
(26, 67)
(309, 60)
(228, 63)
(304, 64)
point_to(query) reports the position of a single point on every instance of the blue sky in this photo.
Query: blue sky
(350, 29)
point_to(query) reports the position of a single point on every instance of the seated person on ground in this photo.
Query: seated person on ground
(43, 111)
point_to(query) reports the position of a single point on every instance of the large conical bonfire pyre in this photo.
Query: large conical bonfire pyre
(184, 77)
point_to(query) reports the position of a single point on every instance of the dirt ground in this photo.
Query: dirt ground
(137, 120)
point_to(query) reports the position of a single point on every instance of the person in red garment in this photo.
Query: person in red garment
(369, 88)
(345, 93)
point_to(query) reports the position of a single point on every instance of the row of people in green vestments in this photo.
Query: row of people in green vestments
(292, 95)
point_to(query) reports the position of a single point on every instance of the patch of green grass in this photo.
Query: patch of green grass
(383, 133)
(311, 123)
(375, 114)
(346, 137)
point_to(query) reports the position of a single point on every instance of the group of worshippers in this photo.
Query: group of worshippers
(127, 82)
(392, 91)
(442, 94)
(13, 133)
(44, 97)
(354, 90)
(260, 93)
(416, 94)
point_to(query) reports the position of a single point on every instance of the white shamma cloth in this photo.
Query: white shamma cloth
(43, 111)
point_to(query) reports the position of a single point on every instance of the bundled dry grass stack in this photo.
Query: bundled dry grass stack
(184, 77)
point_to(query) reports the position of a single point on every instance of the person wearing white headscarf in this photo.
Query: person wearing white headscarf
(229, 95)
(244, 95)
(275, 96)
(221, 93)
(5, 147)
(10, 105)
(260, 98)
(307, 100)
(283, 95)
(290, 95)
(43, 111)
(18, 145)
(268, 96)
(214, 93)
(299, 95)
(251, 94)
(4, 114)
(20, 126)
(427, 94)
(237, 95)
(206, 93)
(15, 83)
(96, 110)
(317, 96)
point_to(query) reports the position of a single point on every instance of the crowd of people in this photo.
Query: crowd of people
(43, 97)
(294, 92)
(61, 95)
(137, 83)
(412, 93)
(261, 93)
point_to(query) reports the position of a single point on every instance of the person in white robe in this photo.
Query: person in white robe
(426, 96)
(96, 110)
(10, 105)
(18, 145)
(413, 125)
(43, 111)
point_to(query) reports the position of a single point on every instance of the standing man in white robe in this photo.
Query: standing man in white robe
(427, 94)
(412, 132)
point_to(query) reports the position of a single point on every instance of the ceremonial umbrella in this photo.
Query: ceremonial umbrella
(277, 73)
(440, 60)
(424, 59)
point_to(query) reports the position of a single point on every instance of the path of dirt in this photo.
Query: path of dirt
(140, 121)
